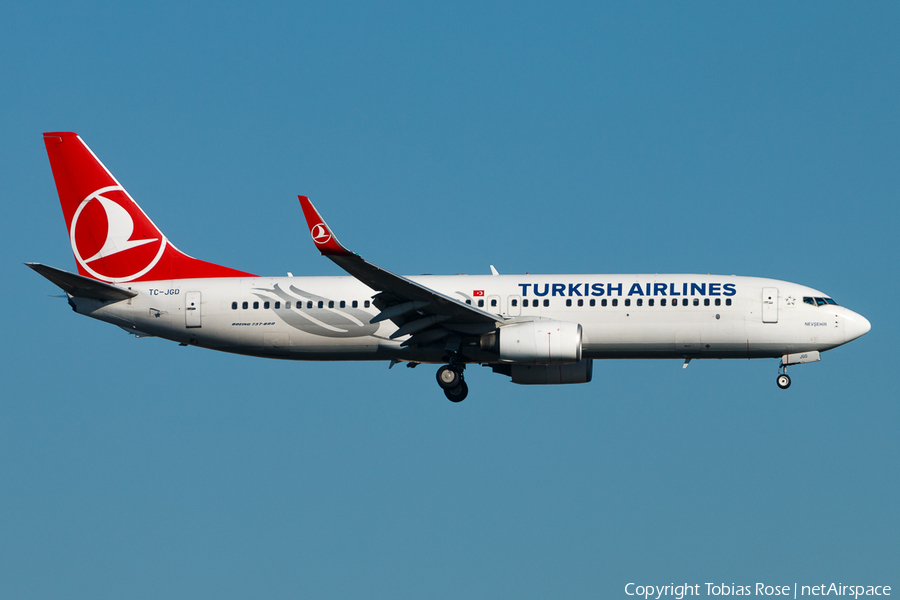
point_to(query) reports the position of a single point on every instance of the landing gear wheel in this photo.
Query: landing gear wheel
(459, 393)
(448, 378)
(783, 381)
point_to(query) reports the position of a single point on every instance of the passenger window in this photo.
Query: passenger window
(266, 304)
(568, 302)
(244, 305)
(696, 301)
(684, 302)
(468, 301)
(615, 302)
(718, 302)
(515, 302)
(343, 304)
(603, 302)
(234, 306)
(662, 301)
(580, 302)
(288, 304)
(627, 301)
(366, 304)
(650, 302)
(727, 301)
(593, 302)
(706, 302)
(481, 304)
(355, 304)
(640, 301)
(309, 304)
(494, 302)
(321, 304)
(256, 305)
(546, 302)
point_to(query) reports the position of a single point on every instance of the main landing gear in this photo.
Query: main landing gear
(450, 378)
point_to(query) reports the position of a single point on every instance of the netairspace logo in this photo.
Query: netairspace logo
(760, 589)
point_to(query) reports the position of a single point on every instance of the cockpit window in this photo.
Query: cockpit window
(819, 301)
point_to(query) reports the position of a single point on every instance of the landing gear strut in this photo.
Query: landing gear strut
(450, 378)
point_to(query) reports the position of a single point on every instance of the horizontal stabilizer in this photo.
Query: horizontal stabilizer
(82, 287)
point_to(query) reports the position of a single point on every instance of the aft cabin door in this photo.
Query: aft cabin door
(770, 305)
(192, 309)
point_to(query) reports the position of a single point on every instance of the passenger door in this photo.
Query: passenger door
(770, 305)
(192, 309)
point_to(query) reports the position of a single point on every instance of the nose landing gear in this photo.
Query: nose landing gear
(450, 378)
(783, 381)
(810, 356)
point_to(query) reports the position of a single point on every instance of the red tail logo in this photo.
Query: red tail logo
(112, 239)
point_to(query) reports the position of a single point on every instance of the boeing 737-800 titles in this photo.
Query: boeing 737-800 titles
(536, 329)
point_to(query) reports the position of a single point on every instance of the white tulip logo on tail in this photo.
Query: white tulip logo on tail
(120, 225)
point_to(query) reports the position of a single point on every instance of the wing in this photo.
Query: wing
(427, 315)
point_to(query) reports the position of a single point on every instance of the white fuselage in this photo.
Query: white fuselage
(622, 316)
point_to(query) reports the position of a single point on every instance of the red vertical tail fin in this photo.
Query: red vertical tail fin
(112, 239)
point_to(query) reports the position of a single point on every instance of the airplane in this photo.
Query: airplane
(535, 329)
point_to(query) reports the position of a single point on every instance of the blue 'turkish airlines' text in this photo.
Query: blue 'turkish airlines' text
(636, 289)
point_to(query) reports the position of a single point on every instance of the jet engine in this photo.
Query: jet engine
(535, 343)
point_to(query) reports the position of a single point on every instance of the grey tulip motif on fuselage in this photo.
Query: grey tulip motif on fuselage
(326, 322)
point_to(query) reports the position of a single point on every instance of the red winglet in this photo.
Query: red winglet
(320, 232)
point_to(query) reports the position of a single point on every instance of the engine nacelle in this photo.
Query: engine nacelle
(580, 372)
(536, 343)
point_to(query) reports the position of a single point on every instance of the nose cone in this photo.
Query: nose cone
(856, 325)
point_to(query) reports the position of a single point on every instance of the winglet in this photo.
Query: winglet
(321, 234)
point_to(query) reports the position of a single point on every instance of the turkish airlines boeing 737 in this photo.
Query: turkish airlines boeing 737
(537, 329)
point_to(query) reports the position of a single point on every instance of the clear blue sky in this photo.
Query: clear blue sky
(748, 138)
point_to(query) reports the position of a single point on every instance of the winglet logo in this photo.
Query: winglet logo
(115, 259)
(320, 234)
